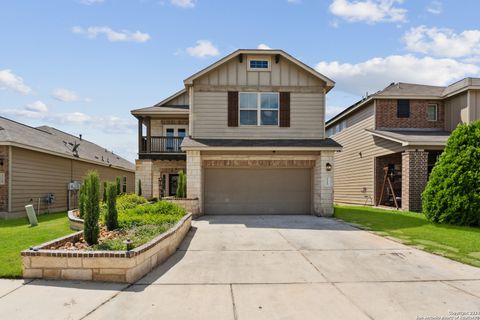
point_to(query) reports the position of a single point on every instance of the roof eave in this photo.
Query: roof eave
(262, 148)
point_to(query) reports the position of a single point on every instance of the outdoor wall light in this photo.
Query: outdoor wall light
(328, 166)
(129, 244)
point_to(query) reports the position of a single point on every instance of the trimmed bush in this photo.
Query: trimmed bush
(81, 200)
(111, 218)
(128, 201)
(181, 185)
(119, 186)
(92, 208)
(452, 194)
(104, 198)
(139, 187)
(151, 214)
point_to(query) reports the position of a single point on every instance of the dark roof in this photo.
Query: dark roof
(53, 140)
(256, 143)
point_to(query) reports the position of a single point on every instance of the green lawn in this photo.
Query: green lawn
(17, 235)
(458, 243)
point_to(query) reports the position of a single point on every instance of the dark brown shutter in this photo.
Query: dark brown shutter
(284, 109)
(232, 108)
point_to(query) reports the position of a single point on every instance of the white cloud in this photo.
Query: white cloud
(370, 11)
(90, 2)
(112, 35)
(9, 80)
(183, 3)
(204, 48)
(333, 111)
(65, 95)
(263, 46)
(435, 7)
(443, 42)
(377, 73)
(37, 106)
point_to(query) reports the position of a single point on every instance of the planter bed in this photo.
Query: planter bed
(110, 266)
(75, 222)
(190, 204)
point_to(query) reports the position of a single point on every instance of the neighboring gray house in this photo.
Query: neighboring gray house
(249, 132)
(403, 127)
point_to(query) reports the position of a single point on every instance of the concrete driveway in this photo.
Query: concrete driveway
(266, 267)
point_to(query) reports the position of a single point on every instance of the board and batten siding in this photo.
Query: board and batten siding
(181, 100)
(354, 172)
(474, 112)
(35, 174)
(456, 111)
(306, 118)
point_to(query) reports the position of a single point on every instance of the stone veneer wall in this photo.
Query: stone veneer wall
(143, 171)
(194, 177)
(150, 172)
(414, 178)
(75, 222)
(323, 185)
(191, 205)
(109, 266)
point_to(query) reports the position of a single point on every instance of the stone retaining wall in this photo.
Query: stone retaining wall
(75, 222)
(109, 266)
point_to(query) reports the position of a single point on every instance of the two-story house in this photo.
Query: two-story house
(249, 132)
(392, 139)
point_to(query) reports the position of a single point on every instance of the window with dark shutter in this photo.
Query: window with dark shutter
(232, 108)
(284, 109)
(403, 108)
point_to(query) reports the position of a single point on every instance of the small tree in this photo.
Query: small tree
(111, 218)
(119, 186)
(139, 187)
(452, 194)
(104, 198)
(81, 200)
(92, 208)
(181, 185)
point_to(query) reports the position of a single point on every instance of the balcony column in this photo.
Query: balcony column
(149, 135)
(140, 134)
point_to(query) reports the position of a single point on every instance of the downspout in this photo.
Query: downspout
(10, 165)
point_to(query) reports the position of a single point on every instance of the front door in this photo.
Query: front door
(172, 184)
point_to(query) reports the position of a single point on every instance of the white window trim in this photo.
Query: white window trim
(436, 111)
(175, 129)
(250, 58)
(259, 111)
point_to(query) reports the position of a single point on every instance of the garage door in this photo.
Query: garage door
(257, 191)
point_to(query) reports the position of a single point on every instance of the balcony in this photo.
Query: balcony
(161, 148)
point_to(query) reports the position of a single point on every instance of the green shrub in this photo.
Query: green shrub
(181, 185)
(139, 187)
(128, 201)
(111, 218)
(104, 198)
(92, 208)
(150, 214)
(452, 194)
(119, 186)
(81, 200)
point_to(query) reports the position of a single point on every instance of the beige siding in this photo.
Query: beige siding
(456, 111)
(234, 73)
(474, 108)
(306, 118)
(354, 172)
(181, 100)
(35, 174)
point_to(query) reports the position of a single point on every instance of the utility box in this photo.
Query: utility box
(32, 217)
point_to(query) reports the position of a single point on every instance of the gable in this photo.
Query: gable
(284, 70)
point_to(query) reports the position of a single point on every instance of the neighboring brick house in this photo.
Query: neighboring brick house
(404, 127)
(249, 132)
(36, 162)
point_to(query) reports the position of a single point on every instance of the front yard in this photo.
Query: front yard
(455, 242)
(17, 235)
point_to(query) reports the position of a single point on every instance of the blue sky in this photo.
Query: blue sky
(82, 65)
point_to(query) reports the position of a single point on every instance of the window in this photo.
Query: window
(124, 186)
(403, 108)
(432, 112)
(258, 64)
(339, 127)
(258, 108)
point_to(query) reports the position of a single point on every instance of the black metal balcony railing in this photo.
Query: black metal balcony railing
(162, 145)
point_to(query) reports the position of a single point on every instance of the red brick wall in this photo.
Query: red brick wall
(386, 115)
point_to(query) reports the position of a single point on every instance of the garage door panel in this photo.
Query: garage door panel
(257, 191)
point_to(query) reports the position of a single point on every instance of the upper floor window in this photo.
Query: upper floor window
(432, 112)
(258, 64)
(339, 127)
(258, 108)
(403, 108)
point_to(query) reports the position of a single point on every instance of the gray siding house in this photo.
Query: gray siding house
(249, 132)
